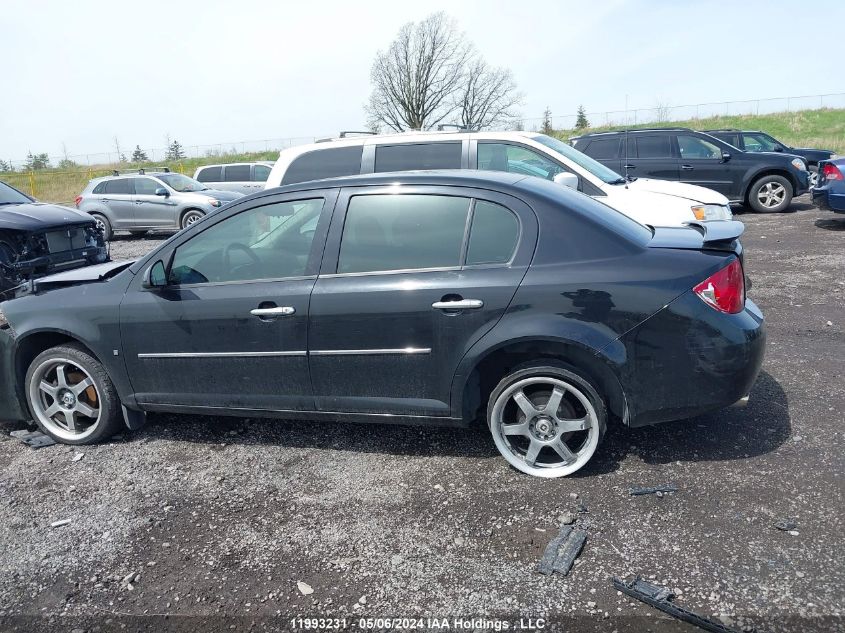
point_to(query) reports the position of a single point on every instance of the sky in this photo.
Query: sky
(78, 74)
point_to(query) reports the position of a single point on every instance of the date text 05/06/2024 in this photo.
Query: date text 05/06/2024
(420, 624)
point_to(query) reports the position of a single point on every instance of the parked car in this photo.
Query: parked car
(145, 200)
(756, 141)
(766, 182)
(655, 202)
(242, 177)
(430, 298)
(38, 239)
(829, 193)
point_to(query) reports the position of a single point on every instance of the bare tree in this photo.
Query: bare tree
(487, 96)
(662, 111)
(415, 80)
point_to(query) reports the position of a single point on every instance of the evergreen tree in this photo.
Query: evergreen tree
(4, 166)
(581, 122)
(37, 161)
(139, 155)
(547, 122)
(174, 152)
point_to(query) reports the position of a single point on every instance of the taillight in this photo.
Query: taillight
(78, 200)
(724, 290)
(831, 172)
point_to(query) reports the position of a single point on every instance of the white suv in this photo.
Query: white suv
(649, 201)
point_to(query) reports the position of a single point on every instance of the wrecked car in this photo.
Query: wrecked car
(38, 239)
(433, 298)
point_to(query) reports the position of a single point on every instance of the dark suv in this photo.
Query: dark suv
(766, 182)
(756, 141)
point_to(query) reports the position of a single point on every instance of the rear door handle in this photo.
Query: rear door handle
(461, 304)
(272, 313)
(630, 166)
(687, 167)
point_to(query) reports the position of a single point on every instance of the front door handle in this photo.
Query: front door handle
(630, 166)
(687, 167)
(272, 313)
(460, 304)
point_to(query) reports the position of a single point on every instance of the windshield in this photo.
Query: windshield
(181, 183)
(8, 195)
(593, 166)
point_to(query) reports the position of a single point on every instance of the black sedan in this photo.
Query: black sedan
(427, 298)
(37, 239)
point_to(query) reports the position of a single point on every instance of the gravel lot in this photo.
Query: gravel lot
(223, 517)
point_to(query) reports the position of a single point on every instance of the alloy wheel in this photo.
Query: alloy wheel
(65, 399)
(545, 426)
(771, 194)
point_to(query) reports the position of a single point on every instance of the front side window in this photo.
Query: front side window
(260, 173)
(236, 173)
(695, 147)
(210, 174)
(494, 233)
(760, 143)
(268, 242)
(579, 158)
(650, 146)
(324, 163)
(145, 186)
(118, 186)
(410, 156)
(516, 160)
(402, 232)
(181, 183)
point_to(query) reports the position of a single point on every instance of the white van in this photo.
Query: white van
(242, 177)
(649, 201)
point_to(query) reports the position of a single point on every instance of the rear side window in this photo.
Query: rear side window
(651, 146)
(493, 235)
(407, 156)
(325, 163)
(603, 148)
(145, 186)
(117, 186)
(100, 188)
(236, 173)
(260, 173)
(402, 232)
(210, 174)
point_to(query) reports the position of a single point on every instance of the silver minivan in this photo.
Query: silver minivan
(242, 177)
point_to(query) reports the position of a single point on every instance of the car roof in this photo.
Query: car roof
(634, 131)
(248, 162)
(434, 177)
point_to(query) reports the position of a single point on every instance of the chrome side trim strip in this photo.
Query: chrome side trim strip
(222, 354)
(370, 352)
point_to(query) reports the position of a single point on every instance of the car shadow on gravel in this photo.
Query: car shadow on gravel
(831, 224)
(728, 434)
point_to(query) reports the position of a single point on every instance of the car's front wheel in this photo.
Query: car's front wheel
(770, 194)
(546, 421)
(71, 397)
(190, 217)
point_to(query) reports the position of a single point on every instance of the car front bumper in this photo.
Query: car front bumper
(63, 260)
(11, 406)
(689, 359)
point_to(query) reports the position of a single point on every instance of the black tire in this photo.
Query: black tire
(546, 370)
(110, 418)
(757, 194)
(190, 216)
(103, 222)
(138, 233)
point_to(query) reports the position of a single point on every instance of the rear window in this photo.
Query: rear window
(408, 156)
(603, 148)
(117, 186)
(210, 174)
(236, 173)
(325, 163)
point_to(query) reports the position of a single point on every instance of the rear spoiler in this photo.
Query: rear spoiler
(718, 235)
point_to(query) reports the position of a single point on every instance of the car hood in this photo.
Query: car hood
(223, 196)
(86, 274)
(678, 190)
(37, 216)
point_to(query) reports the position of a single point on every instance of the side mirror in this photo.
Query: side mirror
(161, 191)
(567, 180)
(155, 276)
(726, 156)
(778, 148)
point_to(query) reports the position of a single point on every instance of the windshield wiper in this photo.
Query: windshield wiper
(1, 203)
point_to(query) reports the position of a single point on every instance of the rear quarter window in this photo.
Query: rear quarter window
(324, 163)
(210, 174)
(410, 156)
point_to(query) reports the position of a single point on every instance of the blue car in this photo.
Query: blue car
(829, 193)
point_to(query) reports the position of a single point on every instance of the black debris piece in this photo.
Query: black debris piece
(562, 551)
(640, 490)
(661, 598)
(35, 439)
(786, 525)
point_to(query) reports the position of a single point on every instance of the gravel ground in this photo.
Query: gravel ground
(222, 518)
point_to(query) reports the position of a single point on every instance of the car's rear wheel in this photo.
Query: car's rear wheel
(71, 397)
(770, 194)
(814, 175)
(546, 421)
(104, 225)
(190, 217)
